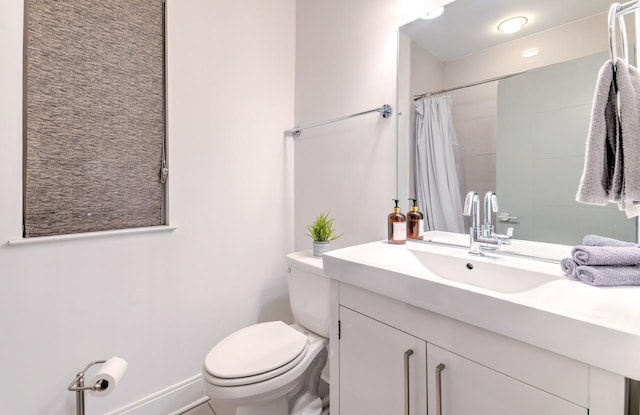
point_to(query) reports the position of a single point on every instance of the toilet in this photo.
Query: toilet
(273, 368)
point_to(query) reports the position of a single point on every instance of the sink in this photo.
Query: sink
(522, 298)
(499, 274)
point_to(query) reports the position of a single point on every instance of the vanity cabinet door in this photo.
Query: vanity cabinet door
(382, 369)
(459, 386)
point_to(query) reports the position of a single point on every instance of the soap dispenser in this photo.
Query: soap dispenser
(415, 222)
(397, 226)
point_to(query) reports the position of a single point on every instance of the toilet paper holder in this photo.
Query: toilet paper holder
(78, 386)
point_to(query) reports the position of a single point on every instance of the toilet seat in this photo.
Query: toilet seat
(255, 354)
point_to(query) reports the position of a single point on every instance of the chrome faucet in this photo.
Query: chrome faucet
(472, 208)
(483, 233)
(490, 206)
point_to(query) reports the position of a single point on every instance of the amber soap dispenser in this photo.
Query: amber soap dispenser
(415, 222)
(397, 225)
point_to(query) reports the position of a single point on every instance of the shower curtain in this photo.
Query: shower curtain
(437, 165)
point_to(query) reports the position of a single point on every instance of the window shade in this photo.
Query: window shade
(94, 114)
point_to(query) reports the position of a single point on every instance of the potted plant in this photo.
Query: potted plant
(322, 232)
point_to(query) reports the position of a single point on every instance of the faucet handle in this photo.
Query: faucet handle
(503, 239)
(472, 197)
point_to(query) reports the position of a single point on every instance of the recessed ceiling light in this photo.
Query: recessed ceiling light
(512, 24)
(529, 53)
(432, 14)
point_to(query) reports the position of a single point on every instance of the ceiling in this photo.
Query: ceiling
(471, 25)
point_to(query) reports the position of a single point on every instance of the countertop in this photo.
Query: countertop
(599, 326)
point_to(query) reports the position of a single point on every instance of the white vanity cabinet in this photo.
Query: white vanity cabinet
(481, 373)
(382, 369)
(459, 386)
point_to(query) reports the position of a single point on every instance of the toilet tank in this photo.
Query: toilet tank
(309, 292)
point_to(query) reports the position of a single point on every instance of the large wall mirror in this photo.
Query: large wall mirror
(522, 135)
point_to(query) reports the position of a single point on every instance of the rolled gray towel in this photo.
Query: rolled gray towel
(595, 240)
(608, 275)
(606, 255)
(568, 266)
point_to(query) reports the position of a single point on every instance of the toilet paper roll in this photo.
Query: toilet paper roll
(108, 376)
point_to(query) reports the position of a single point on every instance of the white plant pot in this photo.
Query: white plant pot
(320, 248)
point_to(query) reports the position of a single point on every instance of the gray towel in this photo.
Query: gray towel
(626, 177)
(596, 240)
(608, 275)
(612, 158)
(606, 255)
(600, 156)
(568, 266)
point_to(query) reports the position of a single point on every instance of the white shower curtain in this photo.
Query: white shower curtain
(438, 170)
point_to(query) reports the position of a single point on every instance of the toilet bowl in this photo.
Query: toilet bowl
(273, 368)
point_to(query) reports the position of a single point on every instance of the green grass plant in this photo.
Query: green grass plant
(322, 230)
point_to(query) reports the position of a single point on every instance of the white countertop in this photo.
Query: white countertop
(596, 325)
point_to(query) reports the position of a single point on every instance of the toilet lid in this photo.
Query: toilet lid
(254, 350)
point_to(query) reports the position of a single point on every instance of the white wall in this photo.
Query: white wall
(160, 300)
(346, 54)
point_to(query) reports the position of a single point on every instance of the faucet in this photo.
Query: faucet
(483, 234)
(490, 206)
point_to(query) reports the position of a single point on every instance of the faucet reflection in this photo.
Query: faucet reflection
(482, 235)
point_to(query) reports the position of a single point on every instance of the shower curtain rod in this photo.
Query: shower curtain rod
(442, 91)
(385, 111)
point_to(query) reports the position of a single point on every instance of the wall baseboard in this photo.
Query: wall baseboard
(173, 400)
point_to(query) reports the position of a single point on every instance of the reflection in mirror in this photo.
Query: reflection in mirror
(524, 135)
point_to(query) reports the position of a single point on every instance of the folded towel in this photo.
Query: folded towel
(606, 255)
(568, 266)
(600, 154)
(595, 240)
(608, 275)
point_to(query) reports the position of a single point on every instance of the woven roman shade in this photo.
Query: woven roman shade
(94, 115)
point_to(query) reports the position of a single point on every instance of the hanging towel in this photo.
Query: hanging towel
(606, 255)
(568, 266)
(632, 209)
(596, 240)
(626, 178)
(597, 175)
(612, 158)
(608, 275)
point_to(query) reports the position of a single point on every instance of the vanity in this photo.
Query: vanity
(427, 328)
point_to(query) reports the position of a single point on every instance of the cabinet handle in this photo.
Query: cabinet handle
(407, 355)
(439, 370)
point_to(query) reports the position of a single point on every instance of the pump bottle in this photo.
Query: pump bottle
(415, 222)
(397, 225)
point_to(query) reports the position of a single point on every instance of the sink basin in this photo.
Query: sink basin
(494, 273)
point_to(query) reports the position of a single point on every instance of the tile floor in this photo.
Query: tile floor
(202, 409)
(206, 408)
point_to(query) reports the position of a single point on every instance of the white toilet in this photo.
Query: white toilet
(273, 368)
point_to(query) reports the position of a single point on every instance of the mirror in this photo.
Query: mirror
(524, 135)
